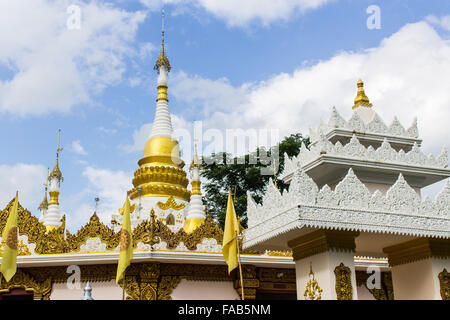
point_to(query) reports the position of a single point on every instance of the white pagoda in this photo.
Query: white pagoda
(353, 194)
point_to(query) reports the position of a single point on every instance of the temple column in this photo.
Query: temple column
(324, 265)
(420, 269)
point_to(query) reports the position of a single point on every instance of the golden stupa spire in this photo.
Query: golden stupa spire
(44, 203)
(56, 173)
(161, 171)
(162, 59)
(361, 98)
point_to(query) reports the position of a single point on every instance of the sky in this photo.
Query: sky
(86, 67)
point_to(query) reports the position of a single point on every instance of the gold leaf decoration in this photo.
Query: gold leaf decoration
(313, 290)
(344, 289)
(93, 229)
(171, 204)
(444, 281)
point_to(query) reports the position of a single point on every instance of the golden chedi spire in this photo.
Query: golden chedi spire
(161, 171)
(195, 215)
(44, 204)
(361, 98)
(52, 218)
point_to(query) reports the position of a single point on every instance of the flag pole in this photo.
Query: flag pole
(124, 283)
(240, 267)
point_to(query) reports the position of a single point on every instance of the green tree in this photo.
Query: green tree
(241, 176)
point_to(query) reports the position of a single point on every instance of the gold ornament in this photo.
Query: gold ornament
(166, 286)
(444, 281)
(313, 290)
(170, 204)
(361, 98)
(125, 240)
(93, 229)
(11, 239)
(344, 290)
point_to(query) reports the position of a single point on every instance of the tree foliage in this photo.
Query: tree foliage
(241, 176)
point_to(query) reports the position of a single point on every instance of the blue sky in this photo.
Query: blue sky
(276, 65)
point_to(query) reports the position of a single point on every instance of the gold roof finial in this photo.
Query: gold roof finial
(361, 98)
(162, 59)
(56, 173)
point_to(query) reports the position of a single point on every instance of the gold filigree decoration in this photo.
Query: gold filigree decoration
(54, 241)
(166, 286)
(313, 290)
(22, 248)
(41, 289)
(344, 290)
(171, 204)
(93, 229)
(444, 281)
(279, 253)
(207, 230)
(27, 224)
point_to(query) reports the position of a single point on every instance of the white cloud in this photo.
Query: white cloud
(241, 13)
(78, 148)
(405, 76)
(55, 68)
(140, 136)
(107, 131)
(28, 179)
(443, 22)
(108, 185)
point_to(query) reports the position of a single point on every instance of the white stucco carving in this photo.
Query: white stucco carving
(349, 206)
(93, 245)
(355, 123)
(355, 150)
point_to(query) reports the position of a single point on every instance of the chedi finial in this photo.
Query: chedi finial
(162, 59)
(361, 98)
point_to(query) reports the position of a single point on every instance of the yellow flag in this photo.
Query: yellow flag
(230, 243)
(126, 242)
(9, 236)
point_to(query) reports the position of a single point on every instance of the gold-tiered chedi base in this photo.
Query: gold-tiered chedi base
(160, 173)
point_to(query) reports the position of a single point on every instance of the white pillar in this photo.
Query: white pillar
(416, 267)
(324, 263)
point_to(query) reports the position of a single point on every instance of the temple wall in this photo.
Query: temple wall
(204, 290)
(100, 291)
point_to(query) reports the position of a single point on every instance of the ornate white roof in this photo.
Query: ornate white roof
(367, 121)
(350, 206)
(355, 150)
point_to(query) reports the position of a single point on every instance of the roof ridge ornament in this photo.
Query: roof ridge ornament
(361, 98)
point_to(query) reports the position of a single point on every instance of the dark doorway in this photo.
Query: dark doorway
(17, 294)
